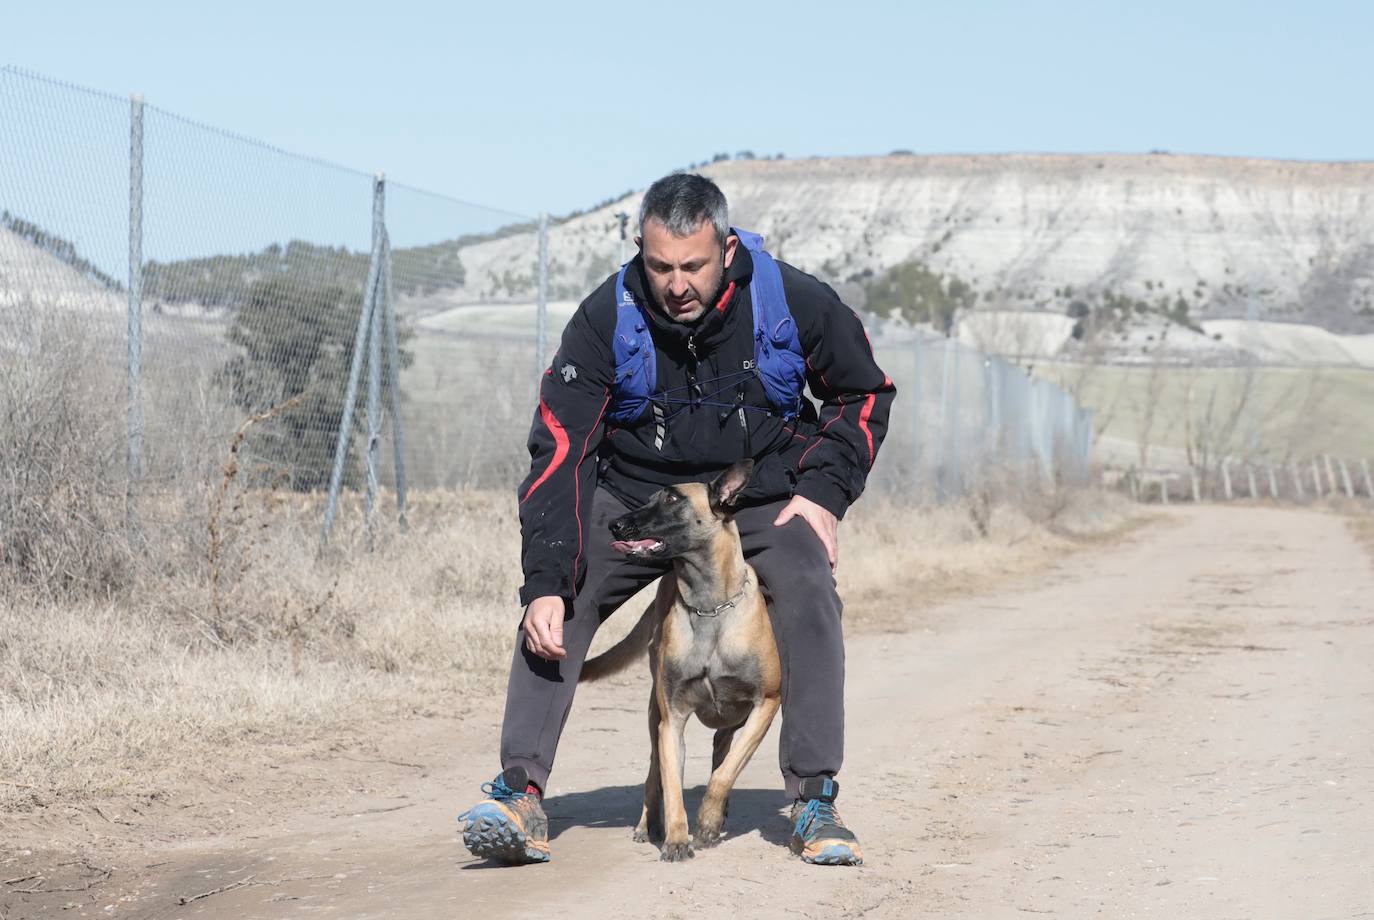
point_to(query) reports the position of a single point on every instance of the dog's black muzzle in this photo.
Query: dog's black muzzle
(623, 529)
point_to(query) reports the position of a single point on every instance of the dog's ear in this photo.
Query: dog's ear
(728, 485)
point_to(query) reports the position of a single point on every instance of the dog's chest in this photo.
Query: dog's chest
(718, 672)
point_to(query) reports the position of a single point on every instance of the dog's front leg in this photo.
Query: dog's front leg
(651, 818)
(676, 845)
(712, 813)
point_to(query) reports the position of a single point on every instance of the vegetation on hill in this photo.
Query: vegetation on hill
(228, 280)
(296, 342)
(914, 292)
(919, 294)
(1110, 310)
(57, 247)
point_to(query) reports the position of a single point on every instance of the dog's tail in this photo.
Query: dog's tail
(625, 652)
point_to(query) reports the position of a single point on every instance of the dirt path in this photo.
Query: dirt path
(1180, 726)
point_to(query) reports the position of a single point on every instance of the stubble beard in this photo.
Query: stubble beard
(703, 304)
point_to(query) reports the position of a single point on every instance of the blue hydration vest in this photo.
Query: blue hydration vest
(778, 360)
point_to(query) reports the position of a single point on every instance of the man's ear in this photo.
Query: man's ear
(731, 242)
(727, 486)
(639, 243)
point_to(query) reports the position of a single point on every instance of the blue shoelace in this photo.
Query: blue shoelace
(498, 790)
(816, 811)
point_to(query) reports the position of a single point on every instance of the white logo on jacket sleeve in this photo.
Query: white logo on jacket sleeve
(569, 373)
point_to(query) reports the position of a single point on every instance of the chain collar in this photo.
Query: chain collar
(720, 608)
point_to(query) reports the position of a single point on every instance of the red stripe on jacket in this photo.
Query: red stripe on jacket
(560, 444)
(863, 424)
(819, 435)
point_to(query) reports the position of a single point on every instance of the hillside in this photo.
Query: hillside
(1193, 239)
(38, 270)
(1031, 231)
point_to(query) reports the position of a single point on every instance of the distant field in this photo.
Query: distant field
(499, 319)
(1267, 412)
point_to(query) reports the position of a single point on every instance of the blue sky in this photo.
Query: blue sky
(530, 107)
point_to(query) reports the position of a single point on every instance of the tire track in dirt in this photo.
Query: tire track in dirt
(1178, 726)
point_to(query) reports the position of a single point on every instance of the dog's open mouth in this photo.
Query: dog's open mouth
(637, 547)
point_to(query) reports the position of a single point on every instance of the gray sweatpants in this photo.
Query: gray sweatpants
(805, 609)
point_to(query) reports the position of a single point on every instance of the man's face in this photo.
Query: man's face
(684, 272)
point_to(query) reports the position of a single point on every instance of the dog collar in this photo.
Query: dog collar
(720, 608)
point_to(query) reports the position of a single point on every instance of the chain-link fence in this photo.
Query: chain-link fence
(971, 422)
(173, 295)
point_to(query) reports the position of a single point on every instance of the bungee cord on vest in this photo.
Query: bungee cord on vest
(669, 397)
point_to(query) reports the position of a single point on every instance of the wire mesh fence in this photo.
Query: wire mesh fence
(971, 422)
(169, 291)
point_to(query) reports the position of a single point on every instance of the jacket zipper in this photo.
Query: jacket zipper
(692, 392)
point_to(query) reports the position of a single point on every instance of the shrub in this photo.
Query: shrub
(296, 342)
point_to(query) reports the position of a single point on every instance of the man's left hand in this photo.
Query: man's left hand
(825, 524)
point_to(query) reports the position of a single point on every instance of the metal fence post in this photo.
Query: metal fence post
(992, 419)
(1368, 481)
(1250, 474)
(374, 374)
(1226, 479)
(393, 381)
(1345, 479)
(135, 418)
(1330, 474)
(1316, 478)
(1297, 480)
(1025, 436)
(1089, 426)
(355, 368)
(1273, 483)
(541, 307)
(949, 422)
(918, 362)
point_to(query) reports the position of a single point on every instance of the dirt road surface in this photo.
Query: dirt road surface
(1179, 725)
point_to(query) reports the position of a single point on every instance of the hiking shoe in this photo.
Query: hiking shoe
(818, 834)
(510, 825)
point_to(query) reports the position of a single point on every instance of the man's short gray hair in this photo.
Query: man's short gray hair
(683, 202)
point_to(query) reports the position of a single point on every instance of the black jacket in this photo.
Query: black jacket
(824, 454)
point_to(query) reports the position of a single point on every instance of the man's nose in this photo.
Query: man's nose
(677, 284)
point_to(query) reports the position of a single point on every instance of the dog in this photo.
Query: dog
(712, 652)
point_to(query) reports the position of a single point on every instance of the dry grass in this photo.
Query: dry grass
(101, 693)
(138, 694)
(898, 560)
(61, 463)
(1360, 520)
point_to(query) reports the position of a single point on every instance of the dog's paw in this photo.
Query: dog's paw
(705, 838)
(676, 852)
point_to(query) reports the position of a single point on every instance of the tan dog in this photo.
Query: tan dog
(711, 651)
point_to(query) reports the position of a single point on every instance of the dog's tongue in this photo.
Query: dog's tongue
(629, 546)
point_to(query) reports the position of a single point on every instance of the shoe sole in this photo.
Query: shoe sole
(491, 837)
(830, 854)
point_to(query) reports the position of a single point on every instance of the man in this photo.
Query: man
(664, 376)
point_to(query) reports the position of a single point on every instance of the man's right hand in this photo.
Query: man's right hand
(544, 628)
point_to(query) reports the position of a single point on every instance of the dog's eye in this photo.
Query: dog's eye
(670, 498)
